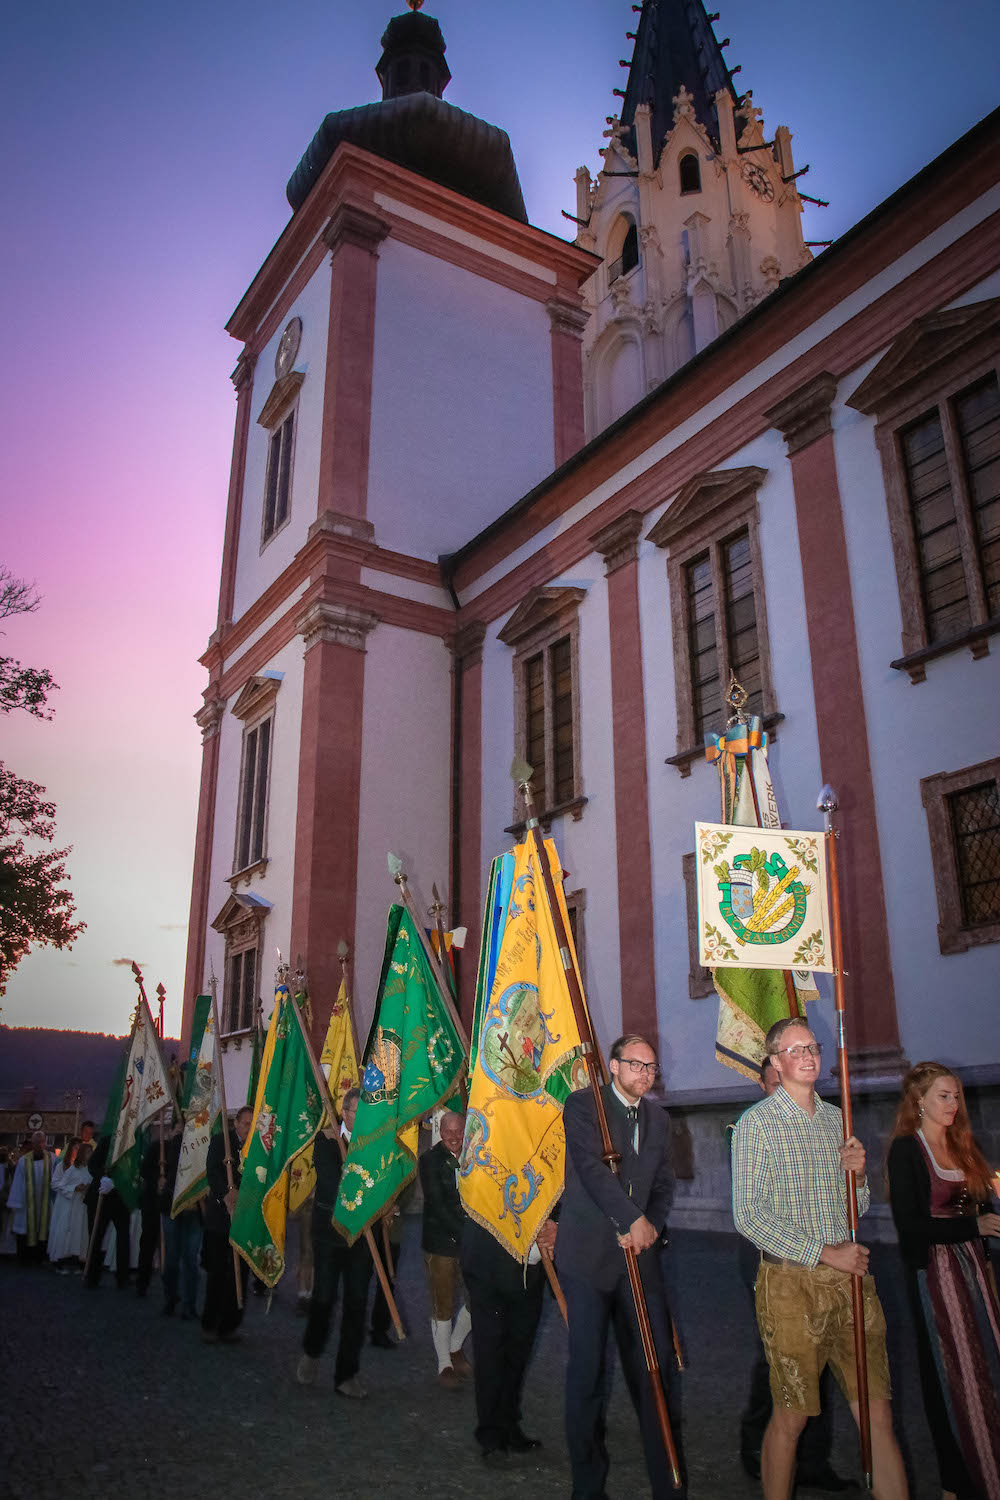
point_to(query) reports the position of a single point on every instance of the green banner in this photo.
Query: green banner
(414, 1062)
(287, 1115)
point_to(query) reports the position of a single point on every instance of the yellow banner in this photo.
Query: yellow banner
(528, 1059)
(340, 1064)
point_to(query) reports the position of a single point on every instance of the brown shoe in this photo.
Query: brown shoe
(448, 1378)
(460, 1364)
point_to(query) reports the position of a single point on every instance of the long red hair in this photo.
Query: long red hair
(961, 1142)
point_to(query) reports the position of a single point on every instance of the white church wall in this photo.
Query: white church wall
(462, 421)
(405, 789)
(256, 566)
(945, 723)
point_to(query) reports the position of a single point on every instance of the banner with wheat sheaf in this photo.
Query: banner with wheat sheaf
(762, 898)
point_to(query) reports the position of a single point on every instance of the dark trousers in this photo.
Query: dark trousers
(592, 1314)
(504, 1321)
(335, 1264)
(149, 1243)
(108, 1209)
(30, 1255)
(222, 1313)
(181, 1242)
(381, 1321)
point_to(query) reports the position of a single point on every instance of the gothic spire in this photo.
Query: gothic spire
(674, 46)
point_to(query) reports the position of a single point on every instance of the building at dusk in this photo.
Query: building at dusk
(493, 490)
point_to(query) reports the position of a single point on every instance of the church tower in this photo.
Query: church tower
(694, 212)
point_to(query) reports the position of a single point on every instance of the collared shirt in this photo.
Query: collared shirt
(789, 1189)
(626, 1105)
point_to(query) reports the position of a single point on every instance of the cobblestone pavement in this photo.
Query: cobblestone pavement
(105, 1397)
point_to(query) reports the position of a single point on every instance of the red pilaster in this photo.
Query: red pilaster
(618, 544)
(467, 834)
(324, 883)
(353, 236)
(567, 320)
(209, 718)
(804, 421)
(243, 381)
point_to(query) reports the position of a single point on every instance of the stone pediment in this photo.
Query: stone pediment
(928, 342)
(282, 394)
(241, 911)
(258, 695)
(700, 499)
(539, 609)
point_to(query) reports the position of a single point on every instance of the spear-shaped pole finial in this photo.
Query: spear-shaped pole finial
(737, 699)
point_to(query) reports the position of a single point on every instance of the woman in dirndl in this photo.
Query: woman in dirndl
(940, 1189)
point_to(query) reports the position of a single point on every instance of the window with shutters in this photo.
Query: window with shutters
(936, 395)
(278, 480)
(963, 820)
(718, 617)
(240, 1001)
(255, 707)
(241, 924)
(543, 632)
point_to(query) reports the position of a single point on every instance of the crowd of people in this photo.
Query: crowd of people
(789, 1161)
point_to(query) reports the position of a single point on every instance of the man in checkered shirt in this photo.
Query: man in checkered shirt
(790, 1200)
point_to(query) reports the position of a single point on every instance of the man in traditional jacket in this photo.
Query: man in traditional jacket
(601, 1214)
(443, 1223)
(31, 1200)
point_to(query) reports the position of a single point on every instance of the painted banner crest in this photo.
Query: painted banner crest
(762, 898)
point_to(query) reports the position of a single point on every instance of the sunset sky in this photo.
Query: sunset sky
(146, 151)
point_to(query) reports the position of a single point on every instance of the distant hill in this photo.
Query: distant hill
(39, 1067)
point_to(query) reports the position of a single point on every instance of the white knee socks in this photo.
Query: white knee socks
(442, 1342)
(461, 1330)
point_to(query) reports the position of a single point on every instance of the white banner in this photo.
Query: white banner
(762, 900)
(147, 1088)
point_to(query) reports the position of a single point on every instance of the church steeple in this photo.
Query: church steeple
(675, 48)
(695, 214)
(412, 60)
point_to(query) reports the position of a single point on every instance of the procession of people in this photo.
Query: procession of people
(789, 1160)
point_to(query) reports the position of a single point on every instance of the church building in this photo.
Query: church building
(495, 491)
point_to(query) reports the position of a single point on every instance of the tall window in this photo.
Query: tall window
(963, 820)
(717, 609)
(626, 235)
(936, 397)
(722, 630)
(690, 173)
(975, 826)
(253, 795)
(241, 991)
(278, 484)
(543, 632)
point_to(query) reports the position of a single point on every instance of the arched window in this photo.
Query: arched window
(690, 173)
(625, 235)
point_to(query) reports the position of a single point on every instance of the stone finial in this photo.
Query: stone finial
(683, 105)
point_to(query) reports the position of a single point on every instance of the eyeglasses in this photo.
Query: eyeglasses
(800, 1050)
(641, 1067)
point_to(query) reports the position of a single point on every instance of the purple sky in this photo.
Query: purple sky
(145, 156)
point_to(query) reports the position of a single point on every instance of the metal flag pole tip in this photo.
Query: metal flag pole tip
(342, 949)
(827, 802)
(520, 771)
(395, 866)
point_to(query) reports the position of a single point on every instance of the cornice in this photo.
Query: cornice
(618, 542)
(209, 717)
(703, 494)
(283, 392)
(567, 317)
(467, 643)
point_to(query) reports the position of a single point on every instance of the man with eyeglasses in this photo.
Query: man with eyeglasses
(600, 1214)
(790, 1199)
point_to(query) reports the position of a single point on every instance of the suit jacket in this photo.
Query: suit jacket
(596, 1205)
(444, 1216)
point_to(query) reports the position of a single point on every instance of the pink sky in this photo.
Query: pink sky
(145, 160)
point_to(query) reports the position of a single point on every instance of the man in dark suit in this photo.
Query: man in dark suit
(600, 1215)
(222, 1313)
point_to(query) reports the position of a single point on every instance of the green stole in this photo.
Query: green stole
(36, 1213)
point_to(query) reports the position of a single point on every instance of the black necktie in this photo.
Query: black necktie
(632, 1115)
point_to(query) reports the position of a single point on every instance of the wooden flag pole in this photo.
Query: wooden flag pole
(522, 774)
(331, 1111)
(97, 1213)
(828, 805)
(399, 876)
(226, 1146)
